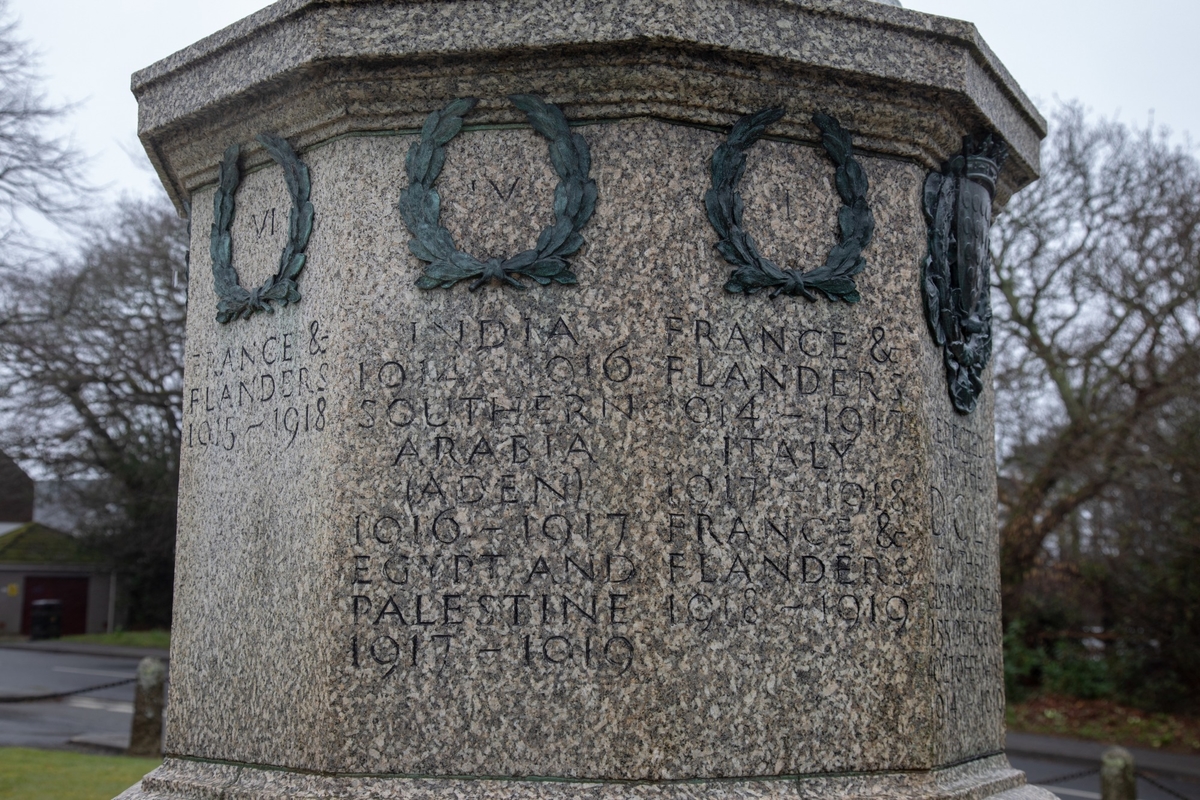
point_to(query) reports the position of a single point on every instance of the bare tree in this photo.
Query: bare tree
(1097, 275)
(91, 372)
(39, 173)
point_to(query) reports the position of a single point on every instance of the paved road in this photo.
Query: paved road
(1040, 770)
(50, 724)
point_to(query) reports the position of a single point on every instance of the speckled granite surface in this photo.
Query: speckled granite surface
(634, 537)
(188, 780)
(635, 529)
(908, 83)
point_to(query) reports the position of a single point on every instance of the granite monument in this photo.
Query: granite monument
(587, 399)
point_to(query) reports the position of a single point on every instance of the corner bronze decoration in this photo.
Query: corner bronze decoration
(574, 202)
(233, 301)
(754, 272)
(957, 270)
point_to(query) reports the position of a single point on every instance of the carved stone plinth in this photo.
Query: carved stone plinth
(578, 441)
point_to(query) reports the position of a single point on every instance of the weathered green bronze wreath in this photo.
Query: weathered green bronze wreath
(233, 301)
(754, 272)
(574, 202)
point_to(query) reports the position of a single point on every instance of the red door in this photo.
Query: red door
(72, 592)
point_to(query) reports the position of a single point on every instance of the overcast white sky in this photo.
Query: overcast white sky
(1117, 57)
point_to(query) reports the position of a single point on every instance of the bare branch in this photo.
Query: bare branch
(1098, 289)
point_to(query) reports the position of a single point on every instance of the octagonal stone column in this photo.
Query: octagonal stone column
(637, 532)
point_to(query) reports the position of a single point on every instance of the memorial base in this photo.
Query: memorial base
(179, 779)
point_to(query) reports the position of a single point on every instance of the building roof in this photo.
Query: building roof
(34, 543)
(16, 492)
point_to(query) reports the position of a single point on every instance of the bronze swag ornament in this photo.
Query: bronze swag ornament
(956, 275)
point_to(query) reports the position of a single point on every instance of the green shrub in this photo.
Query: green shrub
(1071, 670)
(1022, 664)
(1065, 668)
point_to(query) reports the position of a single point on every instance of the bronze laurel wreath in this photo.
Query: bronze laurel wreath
(754, 272)
(574, 202)
(233, 301)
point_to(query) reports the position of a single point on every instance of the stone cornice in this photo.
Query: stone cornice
(312, 70)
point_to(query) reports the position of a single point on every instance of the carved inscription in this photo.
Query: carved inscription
(263, 223)
(966, 662)
(785, 522)
(495, 544)
(561, 500)
(267, 391)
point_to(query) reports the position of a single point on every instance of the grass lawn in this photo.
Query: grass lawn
(57, 775)
(156, 638)
(1105, 721)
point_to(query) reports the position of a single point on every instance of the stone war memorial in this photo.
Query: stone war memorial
(587, 399)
